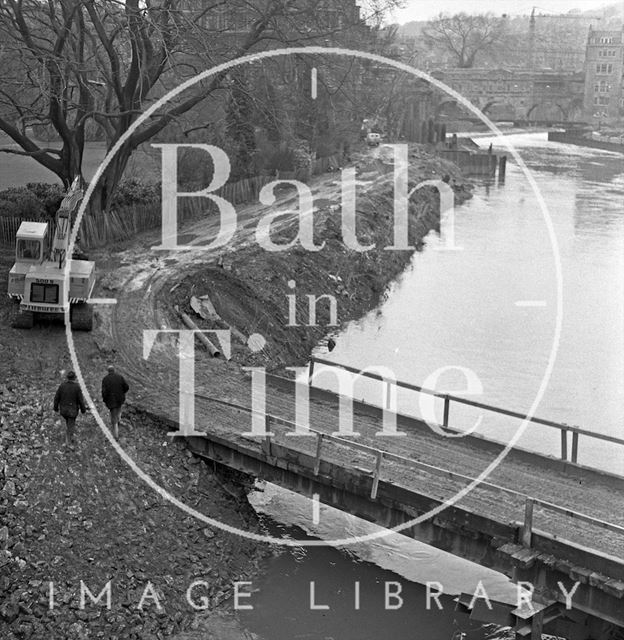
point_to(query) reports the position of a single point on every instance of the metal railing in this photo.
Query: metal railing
(382, 456)
(564, 428)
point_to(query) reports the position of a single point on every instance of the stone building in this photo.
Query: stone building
(332, 21)
(604, 71)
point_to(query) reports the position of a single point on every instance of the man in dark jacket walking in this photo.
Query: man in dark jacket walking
(114, 389)
(68, 401)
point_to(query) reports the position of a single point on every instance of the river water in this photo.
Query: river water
(460, 309)
(492, 307)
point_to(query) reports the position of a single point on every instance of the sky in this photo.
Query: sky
(425, 10)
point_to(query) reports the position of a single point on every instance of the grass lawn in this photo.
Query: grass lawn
(16, 171)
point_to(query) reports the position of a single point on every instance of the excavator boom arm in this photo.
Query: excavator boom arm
(64, 218)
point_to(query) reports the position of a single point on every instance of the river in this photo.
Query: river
(460, 309)
(491, 307)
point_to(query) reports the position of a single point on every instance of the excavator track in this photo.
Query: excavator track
(82, 317)
(20, 319)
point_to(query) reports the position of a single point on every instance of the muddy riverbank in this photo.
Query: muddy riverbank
(268, 293)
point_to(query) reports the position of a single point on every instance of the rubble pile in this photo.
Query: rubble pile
(78, 518)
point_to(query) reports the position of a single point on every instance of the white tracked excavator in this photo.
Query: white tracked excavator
(38, 282)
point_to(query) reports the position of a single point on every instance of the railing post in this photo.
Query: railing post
(388, 394)
(376, 476)
(447, 408)
(575, 441)
(317, 461)
(564, 444)
(537, 626)
(311, 372)
(267, 439)
(527, 527)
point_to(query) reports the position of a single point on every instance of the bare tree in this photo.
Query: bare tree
(77, 65)
(464, 36)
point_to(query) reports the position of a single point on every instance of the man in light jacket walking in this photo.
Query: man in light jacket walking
(114, 389)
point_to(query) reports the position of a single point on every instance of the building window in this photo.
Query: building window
(604, 68)
(602, 87)
(217, 21)
(601, 100)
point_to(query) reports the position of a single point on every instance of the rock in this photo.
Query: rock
(5, 557)
(209, 533)
(4, 537)
(77, 631)
(9, 488)
(9, 611)
(19, 549)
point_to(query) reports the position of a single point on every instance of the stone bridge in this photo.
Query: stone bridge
(516, 95)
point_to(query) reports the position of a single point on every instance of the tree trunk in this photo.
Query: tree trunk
(103, 194)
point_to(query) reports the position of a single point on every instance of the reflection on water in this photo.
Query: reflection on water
(353, 583)
(461, 308)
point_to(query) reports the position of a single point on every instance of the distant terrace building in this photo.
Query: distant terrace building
(604, 72)
(335, 23)
(558, 41)
(326, 18)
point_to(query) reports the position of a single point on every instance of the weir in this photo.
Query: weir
(615, 144)
(540, 520)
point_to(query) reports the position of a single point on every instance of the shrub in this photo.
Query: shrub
(21, 202)
(325, 148)
(41, 201)
(131, 192)
(195, 167)
(50, 195)
(280, 159)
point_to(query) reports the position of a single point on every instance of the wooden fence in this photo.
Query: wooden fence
(99, 229)
(9, 227)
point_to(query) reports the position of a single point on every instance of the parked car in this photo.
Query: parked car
(373, 139)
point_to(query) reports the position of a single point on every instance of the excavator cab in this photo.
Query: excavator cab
(31, 248)
(31, 242)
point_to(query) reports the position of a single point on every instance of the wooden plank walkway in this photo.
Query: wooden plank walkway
(154, 383)
(501, 497)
